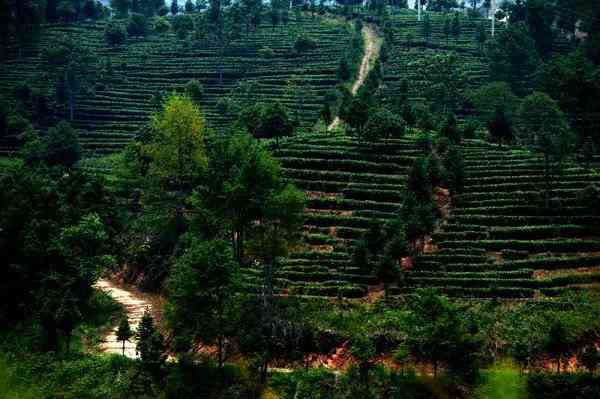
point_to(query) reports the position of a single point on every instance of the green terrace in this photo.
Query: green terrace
(499, 239)
(349, 184)
(116, 107)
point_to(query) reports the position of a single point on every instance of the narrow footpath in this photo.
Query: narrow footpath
(372, 49)
(135, 305)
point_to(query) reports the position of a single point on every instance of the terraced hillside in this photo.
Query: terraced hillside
(408, 53)
(348, 184)
(498, 241)
(501, 241)
(114, 111)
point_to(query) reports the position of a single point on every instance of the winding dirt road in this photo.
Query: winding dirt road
(135, 305)
(372, 48)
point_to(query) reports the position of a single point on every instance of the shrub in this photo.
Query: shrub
(383, 124)
(266, 52)
(194, 90)
(162, 25)
(182, 24)
(136, 25)
(470, 129)
(304, 43)
(114, 34)
(555, 386)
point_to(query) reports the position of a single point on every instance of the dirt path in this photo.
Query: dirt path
(135, 304)
(372, 48)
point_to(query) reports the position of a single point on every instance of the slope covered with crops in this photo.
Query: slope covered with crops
(110, 112)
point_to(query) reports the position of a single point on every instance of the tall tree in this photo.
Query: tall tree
(122, 7)
(570, 79)
(439, 336)
(544, 126)
(513, 57)
(455, 169)
(456, 27)
(176, 148)
(202, 294)
(56, 228)
(150, 346)
(426, 29)
(124, 332)
(480, 35)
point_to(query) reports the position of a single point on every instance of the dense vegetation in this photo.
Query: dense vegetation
(301, 200)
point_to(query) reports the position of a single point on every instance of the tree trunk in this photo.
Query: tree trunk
(386, 291)
(220, 354)
(547, 179)
(123, 347)
(71, 106)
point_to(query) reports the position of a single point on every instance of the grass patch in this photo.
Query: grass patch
(502, 381)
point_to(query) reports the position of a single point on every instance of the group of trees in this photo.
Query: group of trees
(534, 338)
(239, 211)
(57, 227)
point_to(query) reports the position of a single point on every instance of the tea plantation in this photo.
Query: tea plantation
(109, 114)
(499, 239)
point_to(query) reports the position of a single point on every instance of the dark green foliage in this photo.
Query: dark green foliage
(150, 346)
(137, 25)
(182, 25)
(115, 34)
(545, 127)
(419, 182)
(426, 28)
(570, 80)
(343, 71)
(62, 146)
(558, 386)
(326, 114)
(559, 342)
(355, 113)
(456, 26)
(589, 357)
(455, 169)
(589, 197)
(470, 129)
(450, 129)
(513, 57)
(441, 336)
(360, 257)
(500, 127)
(480, 35)
(194, 90)
(407, 112)
(201, 294)
(304, 43)
(266, 121)
(124, 332)
(382, 124)
(55, 233)
(121, 6)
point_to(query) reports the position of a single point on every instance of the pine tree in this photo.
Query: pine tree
(326, 115)
(124, 332)
(150, 345)
(456, 28)
(145, 329)
(426, 28)
(447, 29)
(455, 169)
(480, 35)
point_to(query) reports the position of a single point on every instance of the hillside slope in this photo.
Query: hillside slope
(113, 111)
